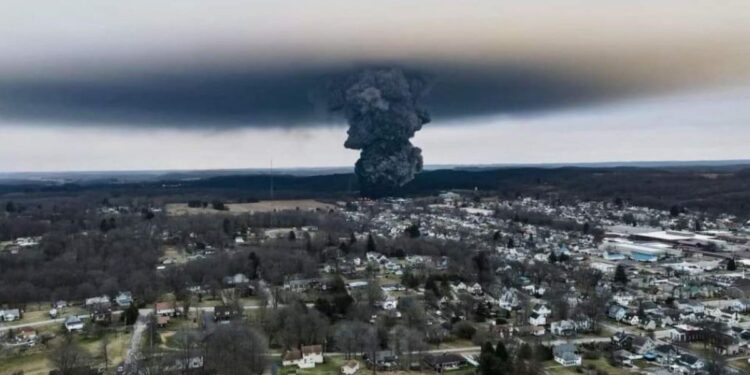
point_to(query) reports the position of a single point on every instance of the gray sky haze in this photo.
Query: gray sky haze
(89, 85)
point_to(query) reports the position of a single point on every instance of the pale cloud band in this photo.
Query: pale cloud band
(256, 63)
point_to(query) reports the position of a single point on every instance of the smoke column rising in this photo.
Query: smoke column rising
(383, 111)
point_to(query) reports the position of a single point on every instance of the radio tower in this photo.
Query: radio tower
(271, 174)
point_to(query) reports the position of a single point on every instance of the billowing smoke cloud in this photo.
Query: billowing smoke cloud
(383, 109)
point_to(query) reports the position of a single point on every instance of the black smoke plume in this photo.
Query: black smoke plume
(383, 109)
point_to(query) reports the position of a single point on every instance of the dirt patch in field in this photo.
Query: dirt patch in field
(246, 208)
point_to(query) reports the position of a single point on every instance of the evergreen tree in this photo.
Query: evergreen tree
(412, 231)
(731, 265)
(525, 352)
(620, 275)
(488, 362)
(371, 243)
(501, 352)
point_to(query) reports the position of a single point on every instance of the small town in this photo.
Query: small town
(361, 187)
(455, 282)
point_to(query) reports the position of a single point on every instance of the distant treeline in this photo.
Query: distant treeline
(712, 189)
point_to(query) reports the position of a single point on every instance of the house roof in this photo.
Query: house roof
(163, 306)
(292, 355)
(350, 364)
(443, 359)
(312, 349)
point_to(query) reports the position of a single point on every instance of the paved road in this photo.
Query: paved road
(5, 327)
(135, 341)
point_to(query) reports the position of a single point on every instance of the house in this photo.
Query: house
(165, 309)
(10, 315)
(73, 323)
(632, 319)
(93, 301)
(740, 305)
(624, 356)
(538, 331)
(508, 300)
(124, 299)
(541, 309)
(237, 279)
(690, 306)
(383, 360)
(565, 354)
(162, 321)
(617, 312)
(444, 362)
(226, 313)
(537, 320)
(304, 358)
(642, 345)
(313, 353)
(390, 303)
(350, 367)
(563, 328)
(26, 335)
(623, 299)
(666, 354)
(690, 362)
(101, 314)
(686, 333)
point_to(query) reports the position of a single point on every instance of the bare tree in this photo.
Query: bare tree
(345, 337)
(104, 348)
(68, 356)
(236, 349)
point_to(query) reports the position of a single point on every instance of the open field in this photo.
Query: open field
(245, 208)
(555, 368)
(35, 360)
(332, 366)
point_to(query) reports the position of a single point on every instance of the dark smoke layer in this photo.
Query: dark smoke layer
(383, 109)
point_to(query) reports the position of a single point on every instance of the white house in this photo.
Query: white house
(350, 367)
(10, 315)
(508, 299)
(73, 323)
(102, 300)
(390, 303)
(542, 310)
(537, 320)
(565, 354)
(306, 358)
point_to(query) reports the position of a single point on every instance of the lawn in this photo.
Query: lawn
(34, 360)
(554, 368)
(117, 348)
(741, 364)
(332, 366)
(31, 364)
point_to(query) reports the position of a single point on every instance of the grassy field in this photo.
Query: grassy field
(332, 366)
(34, 361)
(31, 364)
(554, 368)
(741, 364)
(244, 208)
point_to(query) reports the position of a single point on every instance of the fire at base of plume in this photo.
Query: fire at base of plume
(383, 111)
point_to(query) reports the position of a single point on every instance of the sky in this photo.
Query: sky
(90, 85)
